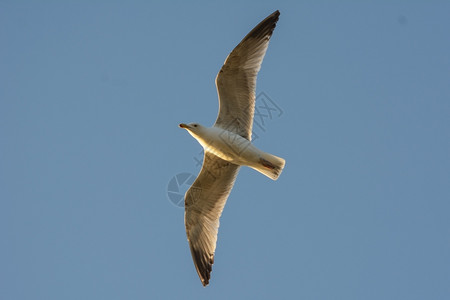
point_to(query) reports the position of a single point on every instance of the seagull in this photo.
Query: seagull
(227, 145)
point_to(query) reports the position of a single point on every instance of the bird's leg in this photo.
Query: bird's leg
(266, 163)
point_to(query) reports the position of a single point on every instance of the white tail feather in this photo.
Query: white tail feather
(270, 165)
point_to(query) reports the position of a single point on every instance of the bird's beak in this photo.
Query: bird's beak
(182, 125)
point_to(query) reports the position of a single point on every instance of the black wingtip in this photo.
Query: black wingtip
(275, 14)
(205, 283)
(203, 264)
(265, 27)
(273, 17)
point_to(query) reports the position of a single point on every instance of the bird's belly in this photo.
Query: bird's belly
(232, 147)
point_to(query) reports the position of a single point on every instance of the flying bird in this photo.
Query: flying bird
(227, 145)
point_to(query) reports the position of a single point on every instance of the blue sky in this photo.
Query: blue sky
(90, 99)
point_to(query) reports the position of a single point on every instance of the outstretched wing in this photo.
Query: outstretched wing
(236, 80)
(204, 202)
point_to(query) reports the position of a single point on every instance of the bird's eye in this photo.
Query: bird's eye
(195, 125)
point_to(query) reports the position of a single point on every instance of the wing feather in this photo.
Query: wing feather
(204, 203)
(236, 80)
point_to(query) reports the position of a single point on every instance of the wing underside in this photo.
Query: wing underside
(236, 80)
(204, 203)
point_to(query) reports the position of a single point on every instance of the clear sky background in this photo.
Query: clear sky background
(91, 97)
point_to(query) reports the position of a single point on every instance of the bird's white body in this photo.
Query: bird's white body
(227, 145)
(234, 148)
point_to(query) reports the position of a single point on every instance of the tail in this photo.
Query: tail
(270, 165)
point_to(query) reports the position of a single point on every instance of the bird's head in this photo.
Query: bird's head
(192, 128)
